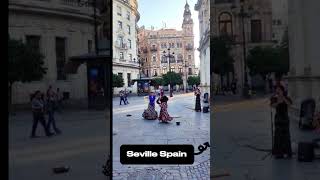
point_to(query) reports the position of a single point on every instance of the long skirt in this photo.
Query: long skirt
(150, 113)
(164, 115)
(198, 104)
(282, 142)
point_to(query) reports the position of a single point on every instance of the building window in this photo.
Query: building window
(120, 41)
(130, 57)
(225, 24)
(147, 73)
(189, 57)
(60, 57)
(129, 43)
(129, 29)
(154, 58)
(256, 35)
(172, 69)
(119, 24)
(172, 45)
(119, 11)
(223, 1)
(89, 46)
(128, 15)
(129, 79)
(163, 59)
(190, 71)
(121, 55)
(155, 72)
(180, 69)
(33, 42)
(164, 70)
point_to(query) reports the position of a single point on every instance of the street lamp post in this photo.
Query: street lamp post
(186, 66)
(169, 56)
(242, 14)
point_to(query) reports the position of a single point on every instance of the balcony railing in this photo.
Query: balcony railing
(188, 48)
(122, 46)
(76, 3)
(153, 49)
(179, 61)
(166, 61)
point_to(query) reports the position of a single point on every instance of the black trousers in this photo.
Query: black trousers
(38, 117)
(122, 99)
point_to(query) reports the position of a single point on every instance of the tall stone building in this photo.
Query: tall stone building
(226, 20)
(304, 75)
(59, 29)
(279, 19)
(153, 43)
(125, 60)
(203, 8)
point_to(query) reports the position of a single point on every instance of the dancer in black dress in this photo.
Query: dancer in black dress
(198, 103)
(282, 143)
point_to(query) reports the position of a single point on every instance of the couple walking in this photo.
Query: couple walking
(124, 97)
(40, 106)
(151, 113)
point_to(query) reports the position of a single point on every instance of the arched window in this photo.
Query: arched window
(225, 24)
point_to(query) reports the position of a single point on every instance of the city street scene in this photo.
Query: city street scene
(265, 113)
(59, 90)
(161, 95)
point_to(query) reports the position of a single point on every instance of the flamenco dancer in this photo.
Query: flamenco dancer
(151, 113)
(282, 143)
(197, 93)
(164, 115)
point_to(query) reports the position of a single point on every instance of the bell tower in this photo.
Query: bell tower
(187, 25)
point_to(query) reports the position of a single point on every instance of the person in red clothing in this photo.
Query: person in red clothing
(164, 115)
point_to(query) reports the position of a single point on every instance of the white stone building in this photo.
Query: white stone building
(125, 60)
(59, 29)
(279, 19)
(203, 8)
(304, 75)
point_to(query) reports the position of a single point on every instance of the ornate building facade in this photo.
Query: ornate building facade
(59, 29)
(203, 8)
(304, 75)
(226, 20)
(154, 46)
(125, 59)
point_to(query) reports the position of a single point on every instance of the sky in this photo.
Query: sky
(168, 14)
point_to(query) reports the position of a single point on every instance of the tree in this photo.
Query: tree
(266, 60)
(193, 80)
(156, 82)
(117, 81)
(25, 64)
(172, 78)
(220, 48)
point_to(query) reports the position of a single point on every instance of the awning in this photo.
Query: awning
(71, 67)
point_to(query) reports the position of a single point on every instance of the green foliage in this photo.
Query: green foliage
(157, 82)
(172, 78)
(25, 64)
(193, 80)
(220, 48)
(117, 81)
(265, 60)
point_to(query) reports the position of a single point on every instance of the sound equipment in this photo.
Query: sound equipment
(306, 152)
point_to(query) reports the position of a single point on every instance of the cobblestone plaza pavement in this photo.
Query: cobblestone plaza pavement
(194, 129)
(238, 128)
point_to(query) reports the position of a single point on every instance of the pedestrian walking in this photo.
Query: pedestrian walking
(282, 143)
(51, 108)
(121, 94)
(151, 113)
(161, 92)
(164, 115)
(197, 93)
(126, 93)
(37, 106)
